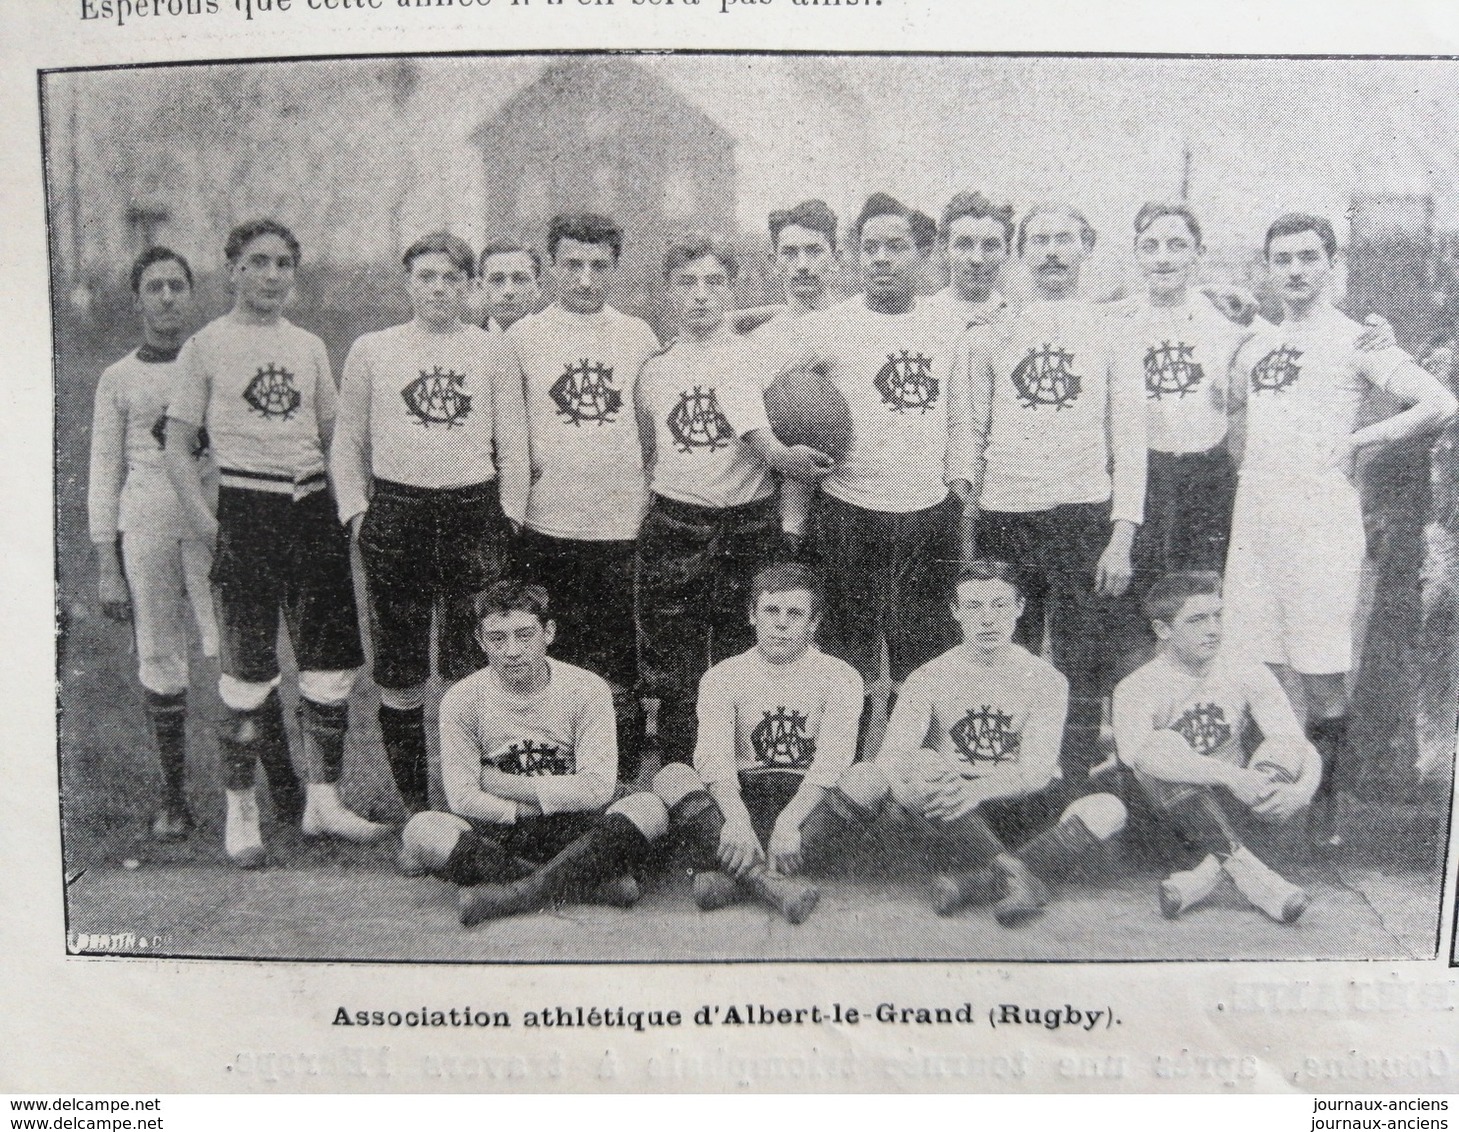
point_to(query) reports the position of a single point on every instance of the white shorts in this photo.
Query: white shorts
(169, 582)
(1294, 570)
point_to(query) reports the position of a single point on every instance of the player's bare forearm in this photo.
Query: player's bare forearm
(1429, 406)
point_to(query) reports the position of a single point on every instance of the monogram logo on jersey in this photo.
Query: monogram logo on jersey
(780, 740)
(1276, 371)
(1046, 377)
(1171, 370)
(985, 736)
(436, 398)
(1204, 727)
(159, 434)
(905, 382)
(697, 422)
(585, 392)
(272, 392)
(534, 759)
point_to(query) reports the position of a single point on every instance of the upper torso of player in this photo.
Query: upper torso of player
(1210, 711)
(417, 407)
(983, 718)
(1305, 384)
(893, 371)
(553, 733)
(701, 397)
(263, 391)
(1053, 410)
(587, 465)
(1184, 352)
(130, 489)
(960, 313)
(757, 717)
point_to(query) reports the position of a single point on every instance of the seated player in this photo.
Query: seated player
(150, 571)
(777, 731)
(1179, 722)
(971, 760)
(529, 760)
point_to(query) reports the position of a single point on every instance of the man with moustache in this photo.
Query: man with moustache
(1058, 476)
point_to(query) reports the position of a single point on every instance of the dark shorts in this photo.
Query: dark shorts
(765, 794)
(1188, 503)
(887, 576)
(591, 589)
(692, 587)
(278, 555)
(428, 550)
(541, 838)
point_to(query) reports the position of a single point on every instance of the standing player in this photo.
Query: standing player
(777, 732)
(151, 570)
(1179, 723)
(1297, 537)
(976, 236)
(529, 762)
(511, 281)
(579, 360)
(712, 518)
(263, 389)
(1060, 429)
(803, 248)
(430, 463)
(971, 761)
(885, 526)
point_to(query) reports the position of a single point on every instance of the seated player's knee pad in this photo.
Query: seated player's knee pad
(244, 695)
(676, 782)
(1102, 814)
(646, 811)
(864, 784)
(432, 835)
(400, 699)
(327, 688)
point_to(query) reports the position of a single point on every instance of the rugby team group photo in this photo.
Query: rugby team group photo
(925, 569)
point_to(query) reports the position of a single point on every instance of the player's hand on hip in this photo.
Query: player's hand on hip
(802, 462)
(784, 849)
(1113, 574)
(1377, 335)
(739, 848)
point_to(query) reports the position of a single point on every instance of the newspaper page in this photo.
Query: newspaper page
(678, 545)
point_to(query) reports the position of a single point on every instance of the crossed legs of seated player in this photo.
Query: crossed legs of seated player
(724, 839)
(972, 848)
(1207, 820)
(276, 554)
(537, 862)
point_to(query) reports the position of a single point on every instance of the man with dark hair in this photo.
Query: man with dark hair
(529, 762)
(152, 571)
(511, 281)
(777, 732)
(970, 762)
(803, 250)
(1179, 723)
(263, 389)
(976, 236)
(712, 518)
(885, 527)
(431, 464)
(1297, 543)
(579, 360)
(1059, 467)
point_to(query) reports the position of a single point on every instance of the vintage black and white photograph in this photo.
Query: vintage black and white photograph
(714, 507)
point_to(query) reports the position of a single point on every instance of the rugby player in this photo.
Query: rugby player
(510, 277)
(152, 571)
